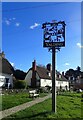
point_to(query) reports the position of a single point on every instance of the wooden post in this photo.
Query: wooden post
(53, 81)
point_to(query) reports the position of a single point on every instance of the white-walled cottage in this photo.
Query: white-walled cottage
(6, 72)
(39, 76)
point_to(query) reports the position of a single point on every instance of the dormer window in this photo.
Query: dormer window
(49, 74)
(59, 76)
(73, 78)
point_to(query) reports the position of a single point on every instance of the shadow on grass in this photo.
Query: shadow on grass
(39, 116)
(71, 95)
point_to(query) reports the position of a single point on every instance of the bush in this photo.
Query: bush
(20, 84)
(48, 87)
(43, 90)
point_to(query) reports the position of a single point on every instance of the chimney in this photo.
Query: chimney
(49, 67)
(33, 80)
(62, 73)
(34, 65)
(2, 54)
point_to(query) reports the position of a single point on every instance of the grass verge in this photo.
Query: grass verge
(11, 100)
(67, 107)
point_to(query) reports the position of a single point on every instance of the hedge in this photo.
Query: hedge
(20, 84)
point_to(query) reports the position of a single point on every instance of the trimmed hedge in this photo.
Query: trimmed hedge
(20, 84)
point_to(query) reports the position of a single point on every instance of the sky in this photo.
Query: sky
(22, 33)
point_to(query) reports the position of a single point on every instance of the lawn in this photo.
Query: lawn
(68, 106)
(14, 99)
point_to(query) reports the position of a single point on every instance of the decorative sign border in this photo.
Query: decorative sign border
(54, 34)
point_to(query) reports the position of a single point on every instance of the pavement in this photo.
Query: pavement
(15, 109)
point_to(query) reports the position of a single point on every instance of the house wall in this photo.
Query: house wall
(3, 78)
(37, 80)
(28, 78)
(45, 82)
(62, 84)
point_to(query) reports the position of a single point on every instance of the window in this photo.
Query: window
(60, 82)
(44, 80)
(49, 74)
(59, 76)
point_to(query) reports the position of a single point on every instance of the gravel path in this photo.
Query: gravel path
(13, 110)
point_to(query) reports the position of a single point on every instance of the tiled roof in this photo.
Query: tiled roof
(62, 77)
(5, 66)
(44, 73)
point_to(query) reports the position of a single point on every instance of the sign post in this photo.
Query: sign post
(53, 81)
(54, 38)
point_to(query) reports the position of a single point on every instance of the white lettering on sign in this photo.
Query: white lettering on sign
(54, 44)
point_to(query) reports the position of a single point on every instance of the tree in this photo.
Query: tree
(78, 69)
(73, 73)
(70, 72)
(19, 74)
